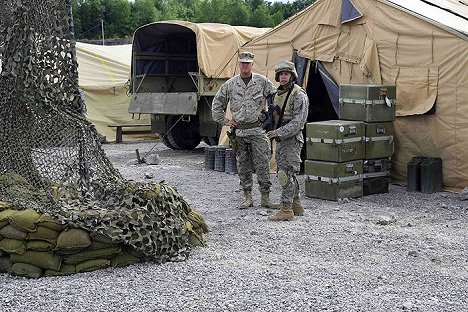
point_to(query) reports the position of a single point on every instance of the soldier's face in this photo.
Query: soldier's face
(284, 77)
(245, 68)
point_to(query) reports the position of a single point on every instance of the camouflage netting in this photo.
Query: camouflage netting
(50, 157)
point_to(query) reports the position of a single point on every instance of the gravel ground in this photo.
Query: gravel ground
(389, 252)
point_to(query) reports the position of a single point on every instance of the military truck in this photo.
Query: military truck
(177, 68)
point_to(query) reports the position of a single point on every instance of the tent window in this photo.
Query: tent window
(416, 89)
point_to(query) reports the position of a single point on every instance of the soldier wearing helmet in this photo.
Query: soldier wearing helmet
(292, 106)
(247, 94)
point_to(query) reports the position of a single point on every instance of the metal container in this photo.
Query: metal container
(376, 176)
(379, 140)
(413, 175)
(333, 181)
(335, 140)
(209, 157)
(366, 102)
(230, 164)
(431, 175)
(220, 158)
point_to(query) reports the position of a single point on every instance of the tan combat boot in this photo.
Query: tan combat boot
(248, 201)
(266, 202)
(285, 214)
(297, 207)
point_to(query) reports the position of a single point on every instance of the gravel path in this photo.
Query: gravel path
(390, 252)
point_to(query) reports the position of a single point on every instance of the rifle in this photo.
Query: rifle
(269, 123)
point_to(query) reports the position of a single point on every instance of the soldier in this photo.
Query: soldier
(247, 94)
(292, 106)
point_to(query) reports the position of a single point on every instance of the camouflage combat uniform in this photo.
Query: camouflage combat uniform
(290, 139)
(247, 102)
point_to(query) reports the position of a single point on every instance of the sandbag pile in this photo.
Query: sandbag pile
(35, 245)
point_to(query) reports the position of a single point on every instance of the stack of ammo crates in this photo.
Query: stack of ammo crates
(351, 157)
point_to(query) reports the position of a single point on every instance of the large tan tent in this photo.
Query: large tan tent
(103, 74)
(419, 46)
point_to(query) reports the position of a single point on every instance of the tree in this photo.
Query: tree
(117, 18)
(143, 12)
(261, 17)
(89, 13)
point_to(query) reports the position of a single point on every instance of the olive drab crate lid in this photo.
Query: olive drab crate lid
(367, 102)
(368, 92)
(335, 129)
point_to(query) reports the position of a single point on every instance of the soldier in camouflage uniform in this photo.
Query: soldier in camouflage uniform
(247, 94)
(292, 104)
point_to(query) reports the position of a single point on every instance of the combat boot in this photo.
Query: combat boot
(266, 202)
(297, 207)
(248, 201)
(284, 214)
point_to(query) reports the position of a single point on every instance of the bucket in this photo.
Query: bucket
(230, 163)
(219, 159)
(209, 157)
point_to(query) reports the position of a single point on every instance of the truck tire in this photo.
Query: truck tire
(184, 135)
(166, 142)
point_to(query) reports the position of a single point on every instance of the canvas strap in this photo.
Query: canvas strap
(333, 180)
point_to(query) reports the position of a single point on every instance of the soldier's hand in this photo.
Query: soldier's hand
(262, 117)
(231, 123)
(272, 134)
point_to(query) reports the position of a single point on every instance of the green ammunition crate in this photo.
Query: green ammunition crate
(333, 181)
(370, 103)
(335, 140)
(379, 140)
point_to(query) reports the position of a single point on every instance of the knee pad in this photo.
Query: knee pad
(283, 178)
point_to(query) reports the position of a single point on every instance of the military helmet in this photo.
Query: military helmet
(285, 66)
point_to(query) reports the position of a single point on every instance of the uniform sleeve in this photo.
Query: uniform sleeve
(301, 109)
(269, 89)
(219, 105)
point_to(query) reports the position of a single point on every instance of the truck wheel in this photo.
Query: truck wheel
(211, 140)
(166, 142)
(184, 134)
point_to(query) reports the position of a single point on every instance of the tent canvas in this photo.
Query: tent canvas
(382, 42)
(103, 73)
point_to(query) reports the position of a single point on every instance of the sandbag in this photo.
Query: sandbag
(197, 220)
(10, 231)
(124, 259)
(44, 260)
(73, 239)
(101, 238)
(45, 234)
(4, 223)
(86, 255)
(25, 220)
(66, 269)
(26, 270)
(5, 264)
(5, 214)
(13, 246)
(50, 223)
(39, 245)
(92, 265)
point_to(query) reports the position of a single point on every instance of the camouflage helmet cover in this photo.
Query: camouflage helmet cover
(246, 57)
(285, 66)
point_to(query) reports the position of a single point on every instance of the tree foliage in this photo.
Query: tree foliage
(122, 17)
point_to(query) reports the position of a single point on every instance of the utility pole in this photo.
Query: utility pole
(102, 28)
